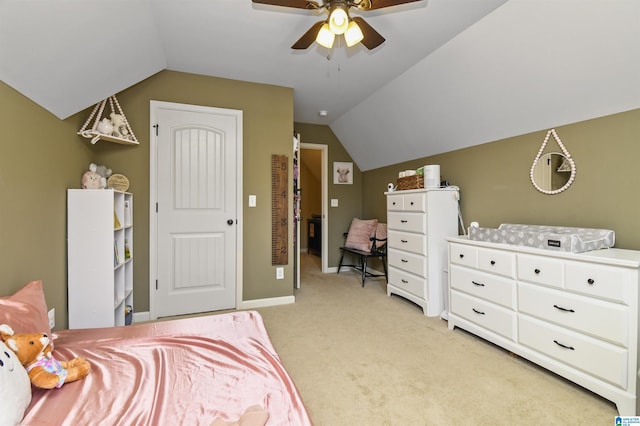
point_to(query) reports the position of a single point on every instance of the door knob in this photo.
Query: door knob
(230, 222)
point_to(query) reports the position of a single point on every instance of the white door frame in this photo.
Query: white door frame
(153, 191)
(325, 194)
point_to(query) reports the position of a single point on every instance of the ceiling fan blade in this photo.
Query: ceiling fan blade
(309, 37)
(379, 4)
(299, 4)
(372, 38)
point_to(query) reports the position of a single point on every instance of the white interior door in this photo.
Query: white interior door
(196, 209)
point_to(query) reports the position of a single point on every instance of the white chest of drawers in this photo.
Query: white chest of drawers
(574, 314)
(418, 223)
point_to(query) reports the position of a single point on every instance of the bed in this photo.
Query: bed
(190, 371)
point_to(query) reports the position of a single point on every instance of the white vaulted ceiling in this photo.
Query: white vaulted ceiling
(452, 73)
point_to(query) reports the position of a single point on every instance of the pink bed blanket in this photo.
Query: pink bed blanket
(181, 372)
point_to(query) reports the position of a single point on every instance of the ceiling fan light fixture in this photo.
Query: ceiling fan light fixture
(325, 37)
(339, 20)
(353, 35)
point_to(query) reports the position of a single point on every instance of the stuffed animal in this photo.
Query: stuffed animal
(34, 352)
(120, 129)
(105, 127)
(15, 389)
(103, 171)
(96, 177)
(91, 180)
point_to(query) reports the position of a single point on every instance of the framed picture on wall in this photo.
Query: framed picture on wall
(342, 173)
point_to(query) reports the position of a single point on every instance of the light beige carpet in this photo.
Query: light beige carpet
(359, 357)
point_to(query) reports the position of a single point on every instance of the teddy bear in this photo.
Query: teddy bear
(120, 129)
(33, 350)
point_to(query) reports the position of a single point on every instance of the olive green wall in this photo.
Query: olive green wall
(349, 196)
(42, 156)
(495, 187)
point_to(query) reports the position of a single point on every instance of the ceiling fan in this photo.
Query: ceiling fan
(355, 30)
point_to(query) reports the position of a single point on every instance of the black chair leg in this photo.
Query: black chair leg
(364, 269)
(340, 264)
(384, 265)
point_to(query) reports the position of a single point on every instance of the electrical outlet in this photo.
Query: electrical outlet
(280, 273)
(52, 318)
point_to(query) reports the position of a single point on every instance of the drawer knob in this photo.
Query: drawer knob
(477, 311)
(411, 203)
(591, 281)
(493, 262)
(461, 255)
(403, 221)
(477, 283)
(560, 308)
(563, 346)
(537, 271)
(394, 203)
(404, 281)
(404, 260)
(404, 241)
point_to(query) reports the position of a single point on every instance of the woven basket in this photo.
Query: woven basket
(410, 182)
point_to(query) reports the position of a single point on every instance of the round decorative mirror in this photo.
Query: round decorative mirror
(553, 172)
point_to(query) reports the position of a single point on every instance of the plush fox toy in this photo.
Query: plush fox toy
(34, 352)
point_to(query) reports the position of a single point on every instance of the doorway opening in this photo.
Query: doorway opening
(314, 202)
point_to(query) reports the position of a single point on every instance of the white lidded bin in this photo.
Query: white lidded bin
(432, 176)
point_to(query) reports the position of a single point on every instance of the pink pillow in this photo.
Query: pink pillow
(360, 233)
(381, 234)
(25, 311)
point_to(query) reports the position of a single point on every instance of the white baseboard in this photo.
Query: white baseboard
(141, 317)
(263, 303)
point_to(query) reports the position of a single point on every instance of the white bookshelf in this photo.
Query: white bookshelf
(100, 275)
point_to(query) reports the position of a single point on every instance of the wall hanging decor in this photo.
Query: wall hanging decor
(552, 172)
(114, 128)
(342, 173)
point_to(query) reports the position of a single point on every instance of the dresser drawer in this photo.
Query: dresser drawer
(415, 202)
(463, 255)
(407, 202)
(407, 282)
(497, 262)
(488, 315)
(599, 280)
(605, 320)
(416, 243)
(540, 269)
(410, 262)
(593, 356)
(410, 222)
(493, 288)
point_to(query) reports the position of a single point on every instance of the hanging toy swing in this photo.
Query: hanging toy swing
(114, 128)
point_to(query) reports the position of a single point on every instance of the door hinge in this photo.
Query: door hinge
(156, 126)
(156, 284)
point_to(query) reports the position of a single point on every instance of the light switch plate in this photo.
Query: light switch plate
(252, 200)
(280, 273)
(334, 202)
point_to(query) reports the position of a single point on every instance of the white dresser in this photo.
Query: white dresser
(419, 221)
(574, 314)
